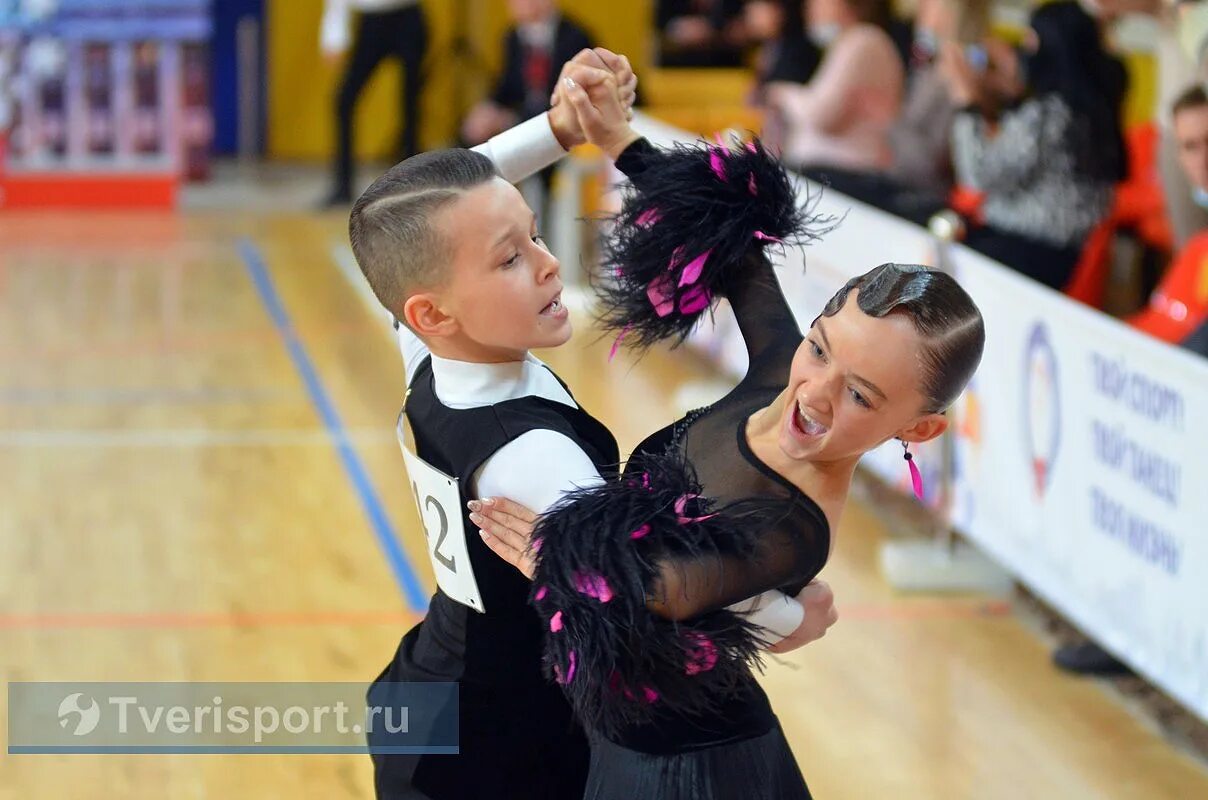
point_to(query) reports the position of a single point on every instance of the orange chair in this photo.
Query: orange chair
(1180, 303)
(1089, 279)
(967, 202)
(1140, 204)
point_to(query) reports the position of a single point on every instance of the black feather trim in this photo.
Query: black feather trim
(680, 208)
(599, 553)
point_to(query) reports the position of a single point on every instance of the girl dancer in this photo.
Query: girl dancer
(632, 579)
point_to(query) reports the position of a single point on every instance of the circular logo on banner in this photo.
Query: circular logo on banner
(1042, 407)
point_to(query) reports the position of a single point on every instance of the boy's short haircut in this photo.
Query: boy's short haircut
(391, 230)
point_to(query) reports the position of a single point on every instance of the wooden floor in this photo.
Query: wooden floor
(176, 507)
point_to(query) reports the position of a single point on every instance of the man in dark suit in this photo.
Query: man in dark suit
(540, 41)
(384, 29)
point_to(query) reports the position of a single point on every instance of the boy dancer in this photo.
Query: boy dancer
(450, 248)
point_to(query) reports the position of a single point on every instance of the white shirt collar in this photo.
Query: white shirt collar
(462, 384)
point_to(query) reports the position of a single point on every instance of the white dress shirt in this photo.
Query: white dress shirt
(537, 468)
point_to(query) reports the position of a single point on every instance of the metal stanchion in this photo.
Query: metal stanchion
(565, 231)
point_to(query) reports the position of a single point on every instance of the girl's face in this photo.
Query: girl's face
(853, 385)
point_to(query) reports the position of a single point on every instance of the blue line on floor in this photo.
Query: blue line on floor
(382, 529)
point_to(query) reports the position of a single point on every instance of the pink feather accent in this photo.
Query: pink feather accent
(593, 585)
(763, 237)
(555, 622)
(616, 345)
(721, 142)
(662, 295)
(751, 146)
(695, 299)
(681, 506)
(718, 164)
(648, 218)
(916, 479)
(696, 266)
(640, 532)
(535, 545)
(541, 593)
(570, 670)
(614, 683)
(702, 656)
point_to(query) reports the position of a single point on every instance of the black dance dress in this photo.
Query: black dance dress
(634, 577)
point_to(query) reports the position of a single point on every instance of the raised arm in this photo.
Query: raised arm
(539, 142)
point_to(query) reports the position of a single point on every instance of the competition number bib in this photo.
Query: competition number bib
(439, 503)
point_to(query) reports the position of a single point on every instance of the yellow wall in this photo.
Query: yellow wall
(301, 87)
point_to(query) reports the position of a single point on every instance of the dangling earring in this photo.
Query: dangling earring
(916, 477)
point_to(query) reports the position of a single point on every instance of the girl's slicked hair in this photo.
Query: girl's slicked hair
(945, 316)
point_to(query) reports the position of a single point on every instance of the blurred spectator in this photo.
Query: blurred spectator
(1047, 165)
(921, 138)
(1180, 56)
(842, 117)
(385, 29)
(535, 48)
(700, 33)
(1179, 304)
(1189, 118)
(785, 53)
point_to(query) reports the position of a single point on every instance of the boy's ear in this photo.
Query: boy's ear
(423, 315)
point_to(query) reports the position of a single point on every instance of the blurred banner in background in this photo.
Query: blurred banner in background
(107, 100)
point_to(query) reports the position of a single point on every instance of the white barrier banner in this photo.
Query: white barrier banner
(1081, 466)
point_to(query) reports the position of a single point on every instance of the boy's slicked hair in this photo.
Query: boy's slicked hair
(391, 230)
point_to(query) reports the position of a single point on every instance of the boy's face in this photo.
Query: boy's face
(504, 289)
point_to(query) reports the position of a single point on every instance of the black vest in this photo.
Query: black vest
(502, 646)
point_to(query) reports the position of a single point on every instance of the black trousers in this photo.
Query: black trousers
(402, 33)
(1052, 266)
